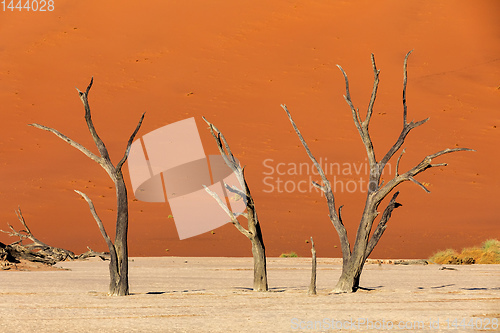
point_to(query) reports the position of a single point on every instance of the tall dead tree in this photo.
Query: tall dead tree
(253, 232)
(118, 266)
(354, 260)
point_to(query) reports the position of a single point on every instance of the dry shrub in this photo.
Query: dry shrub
(491, 252)
(470, 255)
(489, 258)
(442, 257)
(492, 245)
(488, 253)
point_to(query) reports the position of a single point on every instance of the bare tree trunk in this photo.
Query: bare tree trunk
(259, 265)
(253, 233)
(118, 266)
(353, 261)
(312, 285)
(119, 269)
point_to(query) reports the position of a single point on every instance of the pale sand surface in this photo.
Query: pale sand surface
(173, 294)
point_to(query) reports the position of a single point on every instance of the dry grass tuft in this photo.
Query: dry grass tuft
(488, 253)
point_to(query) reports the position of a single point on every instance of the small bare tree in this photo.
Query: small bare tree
(353, 261)
(312, 285)
(253, 232)
(118, 266)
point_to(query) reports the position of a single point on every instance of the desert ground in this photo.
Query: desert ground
(234, 63)
(184, 294)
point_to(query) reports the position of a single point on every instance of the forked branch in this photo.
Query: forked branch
(104, 159)
(231, 162)
(231, 215)
(382, 225)
(330, 198)
(363, 125)
(88, 118)
(425, 164)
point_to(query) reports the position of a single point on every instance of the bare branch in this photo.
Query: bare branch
(326, 183)
(407, 127)
(382, 225)
(322, 188)
(326, 188)
(129, 143)
(340, 214)
(228, 157)
(91, 253)
(231, 215)
(419, 184)
(22, 234)
(447, 151)
(73, 143)
(376, 73)
(99, 223)
(347, 97)
(26, 234)
(88, 118)
(20, 217)
(235, 190)
(362, 126)
(397, 163)
(223, 146)
(405, 79)
(425, 164)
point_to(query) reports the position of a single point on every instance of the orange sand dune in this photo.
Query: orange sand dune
(235, 63)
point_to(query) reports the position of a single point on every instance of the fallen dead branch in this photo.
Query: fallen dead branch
(37, 251)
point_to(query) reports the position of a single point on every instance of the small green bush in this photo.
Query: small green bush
(289, 255)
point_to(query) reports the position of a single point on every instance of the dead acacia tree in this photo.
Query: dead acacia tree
(354, 259)
(118, 266)
(253, 232)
